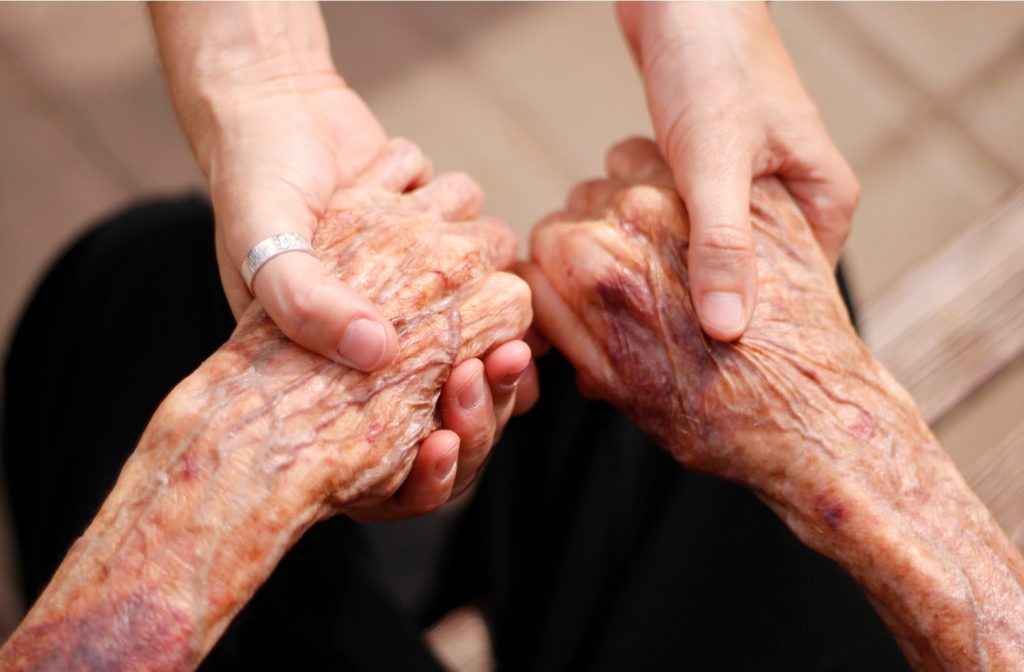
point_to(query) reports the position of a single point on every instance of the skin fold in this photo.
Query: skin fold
(797, 409)
(266, 437)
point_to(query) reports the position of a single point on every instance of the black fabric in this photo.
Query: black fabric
(587, 546)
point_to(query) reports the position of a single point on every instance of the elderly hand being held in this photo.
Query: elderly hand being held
(278, 133)
(797, 410)
(728, 107)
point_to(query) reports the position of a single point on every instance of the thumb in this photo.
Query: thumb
(323, 314)
(723, 272)
(311, 306)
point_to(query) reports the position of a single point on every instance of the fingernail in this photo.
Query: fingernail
(363, 345)
(473, 394)
(509, 382)
(722, 311)
(443, 468)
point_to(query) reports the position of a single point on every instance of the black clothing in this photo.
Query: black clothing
(588, 547)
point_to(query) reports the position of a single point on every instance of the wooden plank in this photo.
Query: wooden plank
(998, 478)
(956, 319)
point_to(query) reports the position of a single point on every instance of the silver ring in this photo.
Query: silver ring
(267, 249)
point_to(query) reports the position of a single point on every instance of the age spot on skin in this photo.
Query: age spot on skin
(862, 427)
(831, 512)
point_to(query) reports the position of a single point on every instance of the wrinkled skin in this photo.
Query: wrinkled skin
(617, 257)
(266, 437)
(797, 409)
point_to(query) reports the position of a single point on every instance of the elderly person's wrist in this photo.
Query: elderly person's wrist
(877, 494)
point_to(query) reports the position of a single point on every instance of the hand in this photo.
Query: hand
(276, 132)
(428, 260)
(266, 437)
(797, 410)
(274, 163)
(727, 107)
(476, 403)
(611, 289)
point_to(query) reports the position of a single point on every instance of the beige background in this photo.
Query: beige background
(926, 101)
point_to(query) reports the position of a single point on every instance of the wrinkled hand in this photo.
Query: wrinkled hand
(350, 438)
(612, 290)
(796, 409)
(727, 107)
(277, 155)
(284, 156)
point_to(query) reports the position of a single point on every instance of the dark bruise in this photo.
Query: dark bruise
(139, 631)
(831, 512)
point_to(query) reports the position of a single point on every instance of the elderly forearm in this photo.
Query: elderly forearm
(873, 490)
(217, 55)
(199, 517)
(797, 409)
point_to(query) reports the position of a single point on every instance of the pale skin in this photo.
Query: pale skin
(727, 107)
(797, 410)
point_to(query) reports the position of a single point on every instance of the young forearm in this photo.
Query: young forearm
(216, 55)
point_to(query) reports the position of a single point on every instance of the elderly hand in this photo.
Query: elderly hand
(727, 106)
(278, 133)
(797, 410)
(266, 437)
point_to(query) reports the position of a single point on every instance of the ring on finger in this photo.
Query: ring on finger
(267, 249)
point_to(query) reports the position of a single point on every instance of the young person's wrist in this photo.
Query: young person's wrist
(219, 58)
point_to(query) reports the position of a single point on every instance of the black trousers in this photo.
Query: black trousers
(587, 547)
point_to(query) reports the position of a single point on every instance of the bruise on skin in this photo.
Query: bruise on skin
(628, 312)
(138, 631)
(831, 511)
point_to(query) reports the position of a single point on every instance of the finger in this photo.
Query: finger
(501, 243)
(505, 367)
(557, 322)
(723, 272)
(638, 160)
(498, 311)
(323, 314)
(235, 291)
(311, 306)
(400, 166)
(589, 198)
(528, 390)
(456, 196)
(428, 485)
(827, 192)
(467, 409)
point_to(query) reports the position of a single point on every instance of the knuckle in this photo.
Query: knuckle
(521, 299)
(725, 246)
(853, 192)
(467, 187)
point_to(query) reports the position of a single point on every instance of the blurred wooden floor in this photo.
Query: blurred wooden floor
(926, 100)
